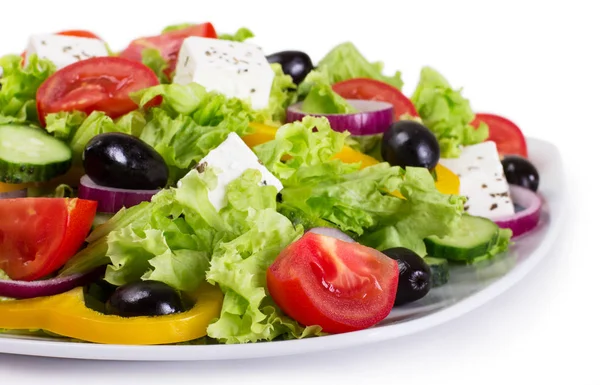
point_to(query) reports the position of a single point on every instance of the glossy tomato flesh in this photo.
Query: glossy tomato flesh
(96, 84)
(340, 286)
(370, 89)
(508, 136)
(38, 235)
(167, 43)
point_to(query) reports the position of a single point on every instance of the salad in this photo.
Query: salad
(192, 189)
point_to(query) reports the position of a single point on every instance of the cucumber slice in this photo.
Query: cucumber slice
(440, 270)
(29, 154)
(471, 238)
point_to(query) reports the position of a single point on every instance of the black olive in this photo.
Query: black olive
(124, 161)
(144, 298)
(410, 144)
(415, 275)
(297, 64)
(521, 172)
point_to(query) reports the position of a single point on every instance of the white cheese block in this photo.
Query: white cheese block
(482, 180)
(64, 50)
(237, 70)
(229, 161)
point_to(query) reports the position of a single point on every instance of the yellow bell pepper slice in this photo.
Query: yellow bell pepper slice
(9, 187)
(66, 314)
(447, 182)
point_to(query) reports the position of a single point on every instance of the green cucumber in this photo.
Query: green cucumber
(440, 270)
(29, 154)
(471, 238)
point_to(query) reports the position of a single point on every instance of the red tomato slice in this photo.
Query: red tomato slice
(96, 84)
(38, 235)
(507, 135)
(338, 285)
(369, 89)
(167, 43)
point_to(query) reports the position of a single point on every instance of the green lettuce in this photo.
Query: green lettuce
(190, 122)
(423, 213)
(77, 129)
(19, 85)
(152, 58)
(176, 27)
(345, 62)
(321, 99)
(240, 35)
(283, 94)
(501, 245)
(446, 113)
(356, 201)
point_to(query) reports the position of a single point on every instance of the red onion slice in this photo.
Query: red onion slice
(527, 219)
(331, 232)
(110, 199)
(14, 194)
(373, 117)
(45, 288)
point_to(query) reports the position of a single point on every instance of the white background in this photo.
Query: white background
(534, 62)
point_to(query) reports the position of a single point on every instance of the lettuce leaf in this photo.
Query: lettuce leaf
(424, 212)
(176, 27)
(19, 86)
(446, 113)
(77, 129)
(190, 122)
(356, 201)
(321, 99)
(310, 151)
(345, 62)
(240, 35)
(152, 58)
(283, 94)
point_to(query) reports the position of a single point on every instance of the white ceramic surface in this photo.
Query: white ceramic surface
(469, 288)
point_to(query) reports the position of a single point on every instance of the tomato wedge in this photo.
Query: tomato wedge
(96, 84)
(38, 235)
(369, 89)
(508, 136)
(167, 43)
(341, 286)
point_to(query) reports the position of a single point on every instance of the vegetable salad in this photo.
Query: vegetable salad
(191, 189)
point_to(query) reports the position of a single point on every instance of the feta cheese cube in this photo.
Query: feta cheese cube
(482, 180)
(229, 161)
(237, 70)
(64, 50)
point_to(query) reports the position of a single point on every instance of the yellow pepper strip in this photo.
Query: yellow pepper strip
(66, 314)
(447, 182)
(8, 187)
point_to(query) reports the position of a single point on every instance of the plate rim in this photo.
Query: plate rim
(84, 351)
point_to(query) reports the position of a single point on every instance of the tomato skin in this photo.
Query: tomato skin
(79, 33)
(507, 135)
(167, 43)
(340, 286)
(370, 89)
(96, 84)
(39, 235)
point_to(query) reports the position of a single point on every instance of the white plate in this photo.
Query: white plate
(469, 288)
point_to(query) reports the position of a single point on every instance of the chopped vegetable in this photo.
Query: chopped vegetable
(447, 113)
(345, 62)
(40, 234)
(67, 315)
